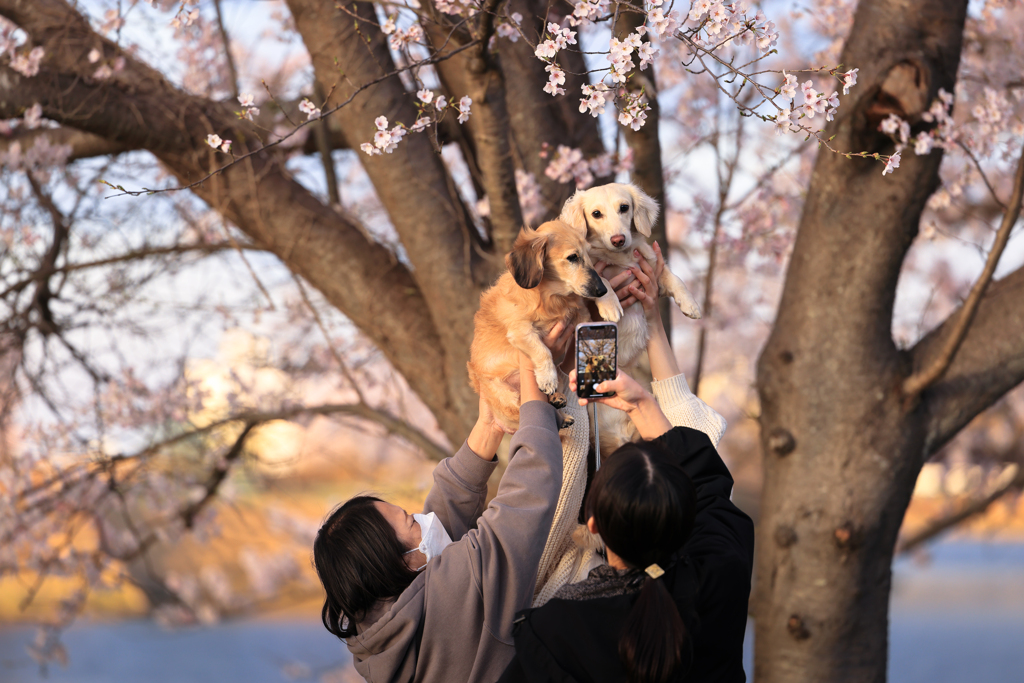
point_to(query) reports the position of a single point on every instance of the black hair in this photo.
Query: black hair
(360, 561)
(644, 507)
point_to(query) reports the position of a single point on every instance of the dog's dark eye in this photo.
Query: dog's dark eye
(573, 258)
(596, 214)
(623, 208)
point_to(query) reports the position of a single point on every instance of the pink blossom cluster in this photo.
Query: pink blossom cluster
(112, 21)
(714, 18)
(26, 63)
(249, 108)
(215, 141)
(106, 69)
(457, 7)
(559, 39)
(309, 109)
(594, 98)
(531, 201)
(40, 157)
(568, 164)
(510, 28)
(384, 140)
(399, 38)
(586, 11)
(634, 110)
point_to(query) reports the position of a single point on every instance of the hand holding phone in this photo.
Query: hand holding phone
(596, 357)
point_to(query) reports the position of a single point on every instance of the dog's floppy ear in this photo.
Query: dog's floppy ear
(526, 260)
(573, 212)
(645, 210)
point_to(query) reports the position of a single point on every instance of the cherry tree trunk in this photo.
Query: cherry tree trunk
(842, 445)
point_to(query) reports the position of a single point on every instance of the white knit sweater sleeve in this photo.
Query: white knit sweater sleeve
(684, 409)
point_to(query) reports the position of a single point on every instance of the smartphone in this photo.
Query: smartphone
(596, 357)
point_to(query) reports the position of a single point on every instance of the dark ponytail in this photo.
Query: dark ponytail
(644, 507)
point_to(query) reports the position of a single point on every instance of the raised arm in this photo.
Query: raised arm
(460, 482)
(680, 405)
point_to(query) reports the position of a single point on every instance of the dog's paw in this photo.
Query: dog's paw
(689, 307)
(547, 379)
(609, 308)
(565, 421)
(557, 399)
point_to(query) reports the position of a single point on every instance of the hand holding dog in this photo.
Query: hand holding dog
(631, 398)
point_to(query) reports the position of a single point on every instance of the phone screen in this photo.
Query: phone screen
(595, 357)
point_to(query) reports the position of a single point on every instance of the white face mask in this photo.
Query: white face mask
(433, 537)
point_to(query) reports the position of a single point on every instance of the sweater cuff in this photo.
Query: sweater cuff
(538, 414)
(672, 391)
(471, 468)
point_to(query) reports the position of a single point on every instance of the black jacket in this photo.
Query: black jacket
(576, 641)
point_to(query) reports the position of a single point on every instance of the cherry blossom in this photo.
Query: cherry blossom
(782, 123)
(440, 103)
(425, 95)
(849, 80)
(309, 109)
(593, 99)
(28, 64)
(788, 89)
(33, 116)
(556, 79)
(510, 29)
(214, 141)
(464, 105)
(892, 163)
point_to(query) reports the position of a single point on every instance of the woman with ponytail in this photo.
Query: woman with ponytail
(671, 602)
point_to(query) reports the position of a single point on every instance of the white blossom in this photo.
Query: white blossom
(426, 95)
(849, 80)
(788, 89)
(892, 163)
(309, 109)
(464, 105)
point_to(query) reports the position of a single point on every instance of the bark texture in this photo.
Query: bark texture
(842, 446)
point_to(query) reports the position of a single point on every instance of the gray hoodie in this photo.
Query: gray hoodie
(454, 622)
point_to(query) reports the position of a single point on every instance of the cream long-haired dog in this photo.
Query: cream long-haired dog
(618, 219)
(549, 275)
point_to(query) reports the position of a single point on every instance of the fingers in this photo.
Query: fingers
(554, 333)
(599, 266)
(638, 294)
(623, 278)
(660, 262)
(628, 301)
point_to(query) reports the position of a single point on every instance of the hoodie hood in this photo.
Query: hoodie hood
(388, 647)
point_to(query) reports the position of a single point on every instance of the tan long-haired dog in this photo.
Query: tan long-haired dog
(549, 275)
(618, 219)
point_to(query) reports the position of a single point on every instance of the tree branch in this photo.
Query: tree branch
(83, 145)
(363, 279)
(922, 379)
(972, 508)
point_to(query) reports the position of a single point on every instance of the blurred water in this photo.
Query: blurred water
(956, 618)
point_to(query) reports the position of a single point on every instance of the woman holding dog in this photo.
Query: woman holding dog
(408, 612)
(671, 604)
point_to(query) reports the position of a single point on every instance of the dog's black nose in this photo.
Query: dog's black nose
(618, 240)
(597, 285)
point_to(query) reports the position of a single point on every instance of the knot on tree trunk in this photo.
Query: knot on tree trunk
(785, 535)
(781, 442)
(847, 536)
(796, 628)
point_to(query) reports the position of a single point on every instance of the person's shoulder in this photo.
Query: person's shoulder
(686, 438)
